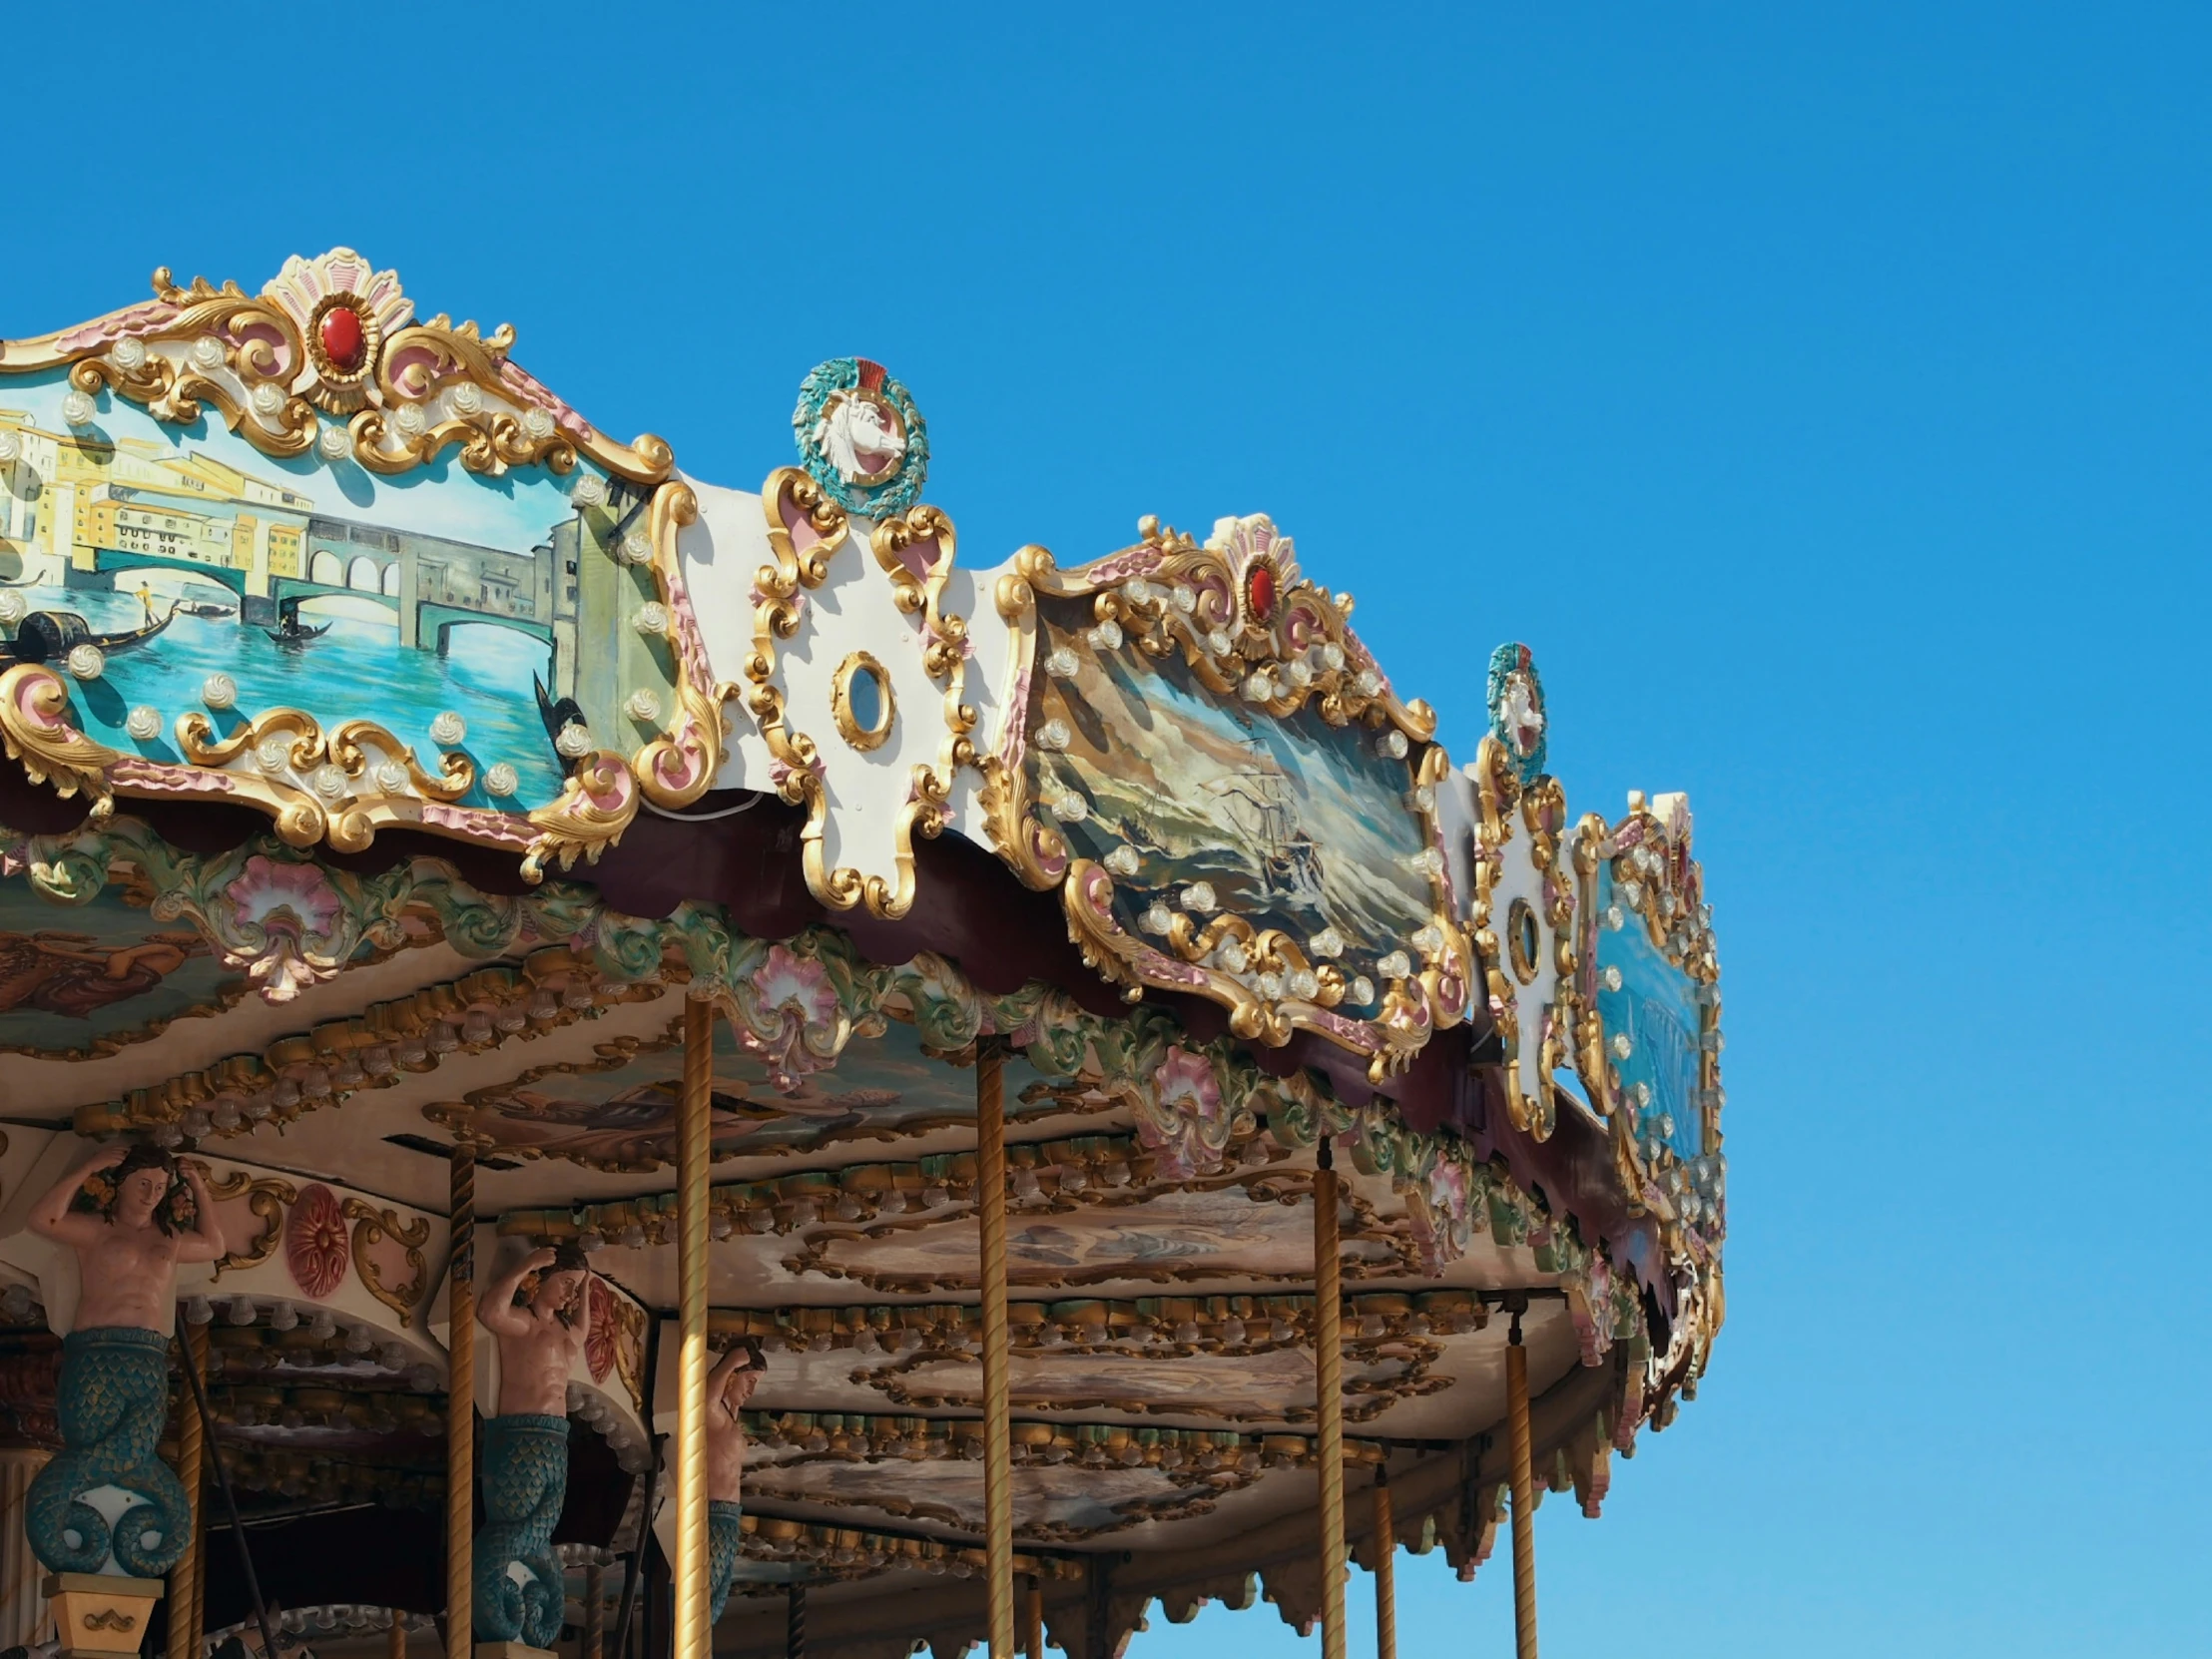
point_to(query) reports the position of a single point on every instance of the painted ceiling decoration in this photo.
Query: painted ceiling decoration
(398, 765)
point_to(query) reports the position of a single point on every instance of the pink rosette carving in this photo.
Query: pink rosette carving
(316, 1245)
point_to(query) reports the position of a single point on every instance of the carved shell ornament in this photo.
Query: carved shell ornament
(862, 438)
(344, 311)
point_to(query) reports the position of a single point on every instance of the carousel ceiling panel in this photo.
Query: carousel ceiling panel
(910, 1230)
(1052, 1505)
(1240, 1233)
(88, 990)
(1072, 1483)
(1218, 1360)
(616, 1111)
(405, 1057)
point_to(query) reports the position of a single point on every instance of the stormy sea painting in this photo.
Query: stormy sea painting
(1296, 824)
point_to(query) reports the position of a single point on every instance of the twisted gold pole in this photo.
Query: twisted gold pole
(1385, 1571)
(184, 1578)
(460, 1409)
(595, 1611)
(998, 1457)
(1032, 1621)
(1524, 1498)
(395, 1637)
(694, 1151)
(1330, 1400)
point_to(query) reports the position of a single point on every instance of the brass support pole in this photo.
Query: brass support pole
(595, 1611)
(1385, 1571)
(1330, 1403)
(460, 1409)
(693, 1158)
(998, 1456)
(1032, 1620)
(694, 1151)
(794, 1623)
(192, 1440)
(395, 1638)
(1524, 1496)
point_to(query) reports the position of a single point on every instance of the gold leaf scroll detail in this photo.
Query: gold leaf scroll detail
(596, 805)
(33, 724)
(681, 765)
(372, 1225)
(267, 1199)
(780, 599)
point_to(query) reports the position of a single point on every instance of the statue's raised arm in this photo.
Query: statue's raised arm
(53, 1216)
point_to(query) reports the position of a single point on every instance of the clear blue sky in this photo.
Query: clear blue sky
(1823, 401)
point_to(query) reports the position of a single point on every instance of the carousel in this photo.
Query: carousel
(597, 1064)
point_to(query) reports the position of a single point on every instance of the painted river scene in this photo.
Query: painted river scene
(181, 553)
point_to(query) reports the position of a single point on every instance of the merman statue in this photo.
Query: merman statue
(525, 1447)
(728, 1385)
(113, 1391)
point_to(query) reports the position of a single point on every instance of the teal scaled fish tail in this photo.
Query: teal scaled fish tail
(114, 1402)
(722, 1529)
(525, 1474)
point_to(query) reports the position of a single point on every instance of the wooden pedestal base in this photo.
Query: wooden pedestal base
(99, 1616)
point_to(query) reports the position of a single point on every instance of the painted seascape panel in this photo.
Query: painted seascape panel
(1655, 1009)
(620, 1111)
(182, 551)
(87, 979)
(1296, 825)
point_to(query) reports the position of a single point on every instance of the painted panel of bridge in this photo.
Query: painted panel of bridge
(309, 583)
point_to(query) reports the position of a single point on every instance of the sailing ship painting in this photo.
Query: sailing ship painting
(1295, 823)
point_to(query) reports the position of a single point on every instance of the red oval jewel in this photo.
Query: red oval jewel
(344, 339)
(1260, 592)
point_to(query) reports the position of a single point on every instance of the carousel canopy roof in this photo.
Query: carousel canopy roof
(395, 754)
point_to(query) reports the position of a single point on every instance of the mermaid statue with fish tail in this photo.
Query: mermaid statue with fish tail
(729, 1386)
(113, 1390)
(525, 1447)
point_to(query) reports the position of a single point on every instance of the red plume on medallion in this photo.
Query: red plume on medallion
(599, 1347)
(872, 374)
(316, 1245)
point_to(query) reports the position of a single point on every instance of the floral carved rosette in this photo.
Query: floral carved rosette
(790, 1015)
(599, 1345)
(1183, 1118)
(316, 1245)
(284, 917)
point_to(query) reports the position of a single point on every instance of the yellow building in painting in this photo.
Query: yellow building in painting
(68, 498)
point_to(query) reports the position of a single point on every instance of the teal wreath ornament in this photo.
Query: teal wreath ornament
(861, 438)
(1516, 701)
